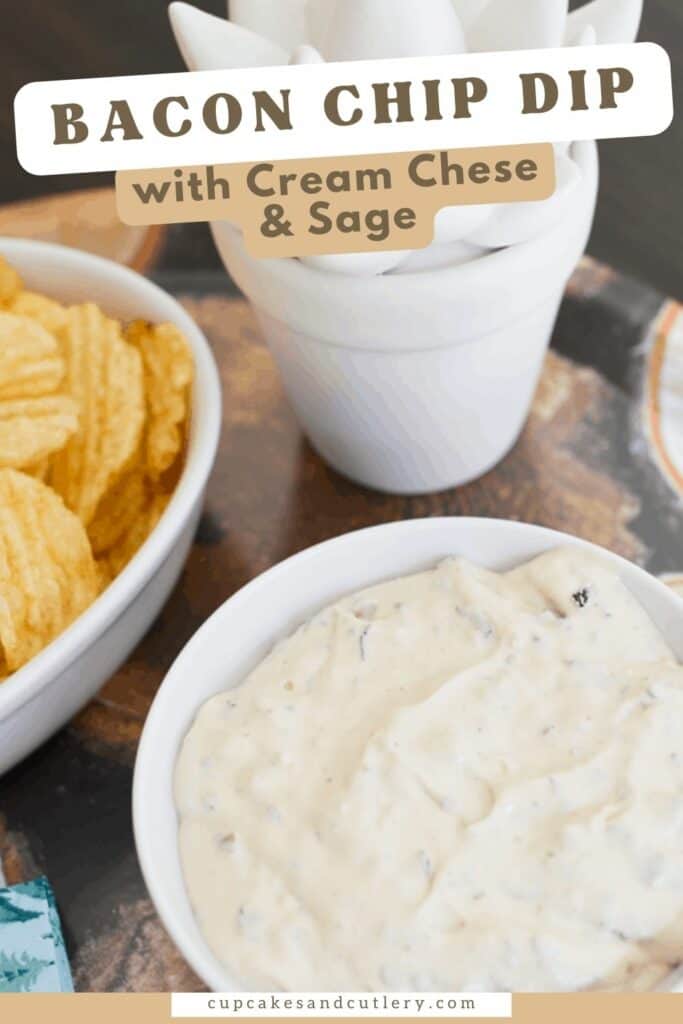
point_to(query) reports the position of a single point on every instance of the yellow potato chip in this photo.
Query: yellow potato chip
(10, 281)
(104, 575)
(30, 360)
(48, 313)
(38, 469)
(104, 375)
(117, 511)
(47, 571)
(169, 371)
(33, 428)
(130, 543)
(92, 424)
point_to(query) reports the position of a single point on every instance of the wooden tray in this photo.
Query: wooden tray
(584, 464)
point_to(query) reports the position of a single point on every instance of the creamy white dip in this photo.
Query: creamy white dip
(454, 781)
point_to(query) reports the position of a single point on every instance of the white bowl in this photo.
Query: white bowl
(38, 699)
(244, 629)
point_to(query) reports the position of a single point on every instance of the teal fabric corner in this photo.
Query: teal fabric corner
(32, 952)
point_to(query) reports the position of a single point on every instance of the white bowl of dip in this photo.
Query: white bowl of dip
(240, 634)
(43, 695)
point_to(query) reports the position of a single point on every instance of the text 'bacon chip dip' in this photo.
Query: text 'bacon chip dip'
(94, 417)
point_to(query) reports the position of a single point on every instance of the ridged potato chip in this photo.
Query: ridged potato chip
(30, 360)
(130, 543)
(47, 572)
(38, 469)
(48, 313)
(169, 370)
(92, 429)
(118, 510)
(10, 281)
(104, 575)
(33, 428)
(104, 375)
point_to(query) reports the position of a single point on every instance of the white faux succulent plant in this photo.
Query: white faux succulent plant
(270, 32)
(372, 29)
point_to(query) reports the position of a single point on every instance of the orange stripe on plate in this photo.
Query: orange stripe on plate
(654, 406)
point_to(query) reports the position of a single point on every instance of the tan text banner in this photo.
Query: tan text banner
(337, 205)
(156, 1009)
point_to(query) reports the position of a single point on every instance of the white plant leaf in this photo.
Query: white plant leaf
(208, 43)
(306, 54)
(582, 35)
(281, 21)
(454, 223)
(614, 21)
(440, 257)
(319, 14)
(518, 25)
(469, 11)
(374, 29)
(357, 264)
(516, 223)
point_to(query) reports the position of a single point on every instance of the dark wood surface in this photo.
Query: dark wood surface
(583, 464)
(639, 226)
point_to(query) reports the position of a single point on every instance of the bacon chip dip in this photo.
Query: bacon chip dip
(458, 781)
(94, 417)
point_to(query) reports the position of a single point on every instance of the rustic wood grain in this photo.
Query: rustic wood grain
(134, 955)
(85, 219)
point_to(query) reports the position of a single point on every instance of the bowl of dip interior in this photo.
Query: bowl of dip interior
(43, 695)
(244, 630)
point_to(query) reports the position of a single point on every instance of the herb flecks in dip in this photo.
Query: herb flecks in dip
(454, 781)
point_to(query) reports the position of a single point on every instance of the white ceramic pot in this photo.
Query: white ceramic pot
(412, 383)
(43, 695)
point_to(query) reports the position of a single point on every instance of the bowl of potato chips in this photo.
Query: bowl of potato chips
(110, 413)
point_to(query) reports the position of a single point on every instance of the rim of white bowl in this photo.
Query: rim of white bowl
(197, 952)
(27, 682)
